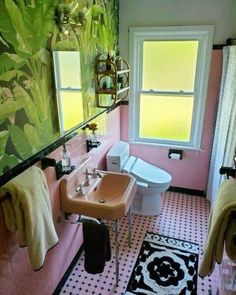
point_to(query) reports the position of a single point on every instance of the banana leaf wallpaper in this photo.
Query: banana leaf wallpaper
(29, 31)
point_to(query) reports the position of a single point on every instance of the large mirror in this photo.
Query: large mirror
(28, 119)
(67, 74)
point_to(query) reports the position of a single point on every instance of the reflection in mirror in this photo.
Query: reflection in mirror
(68, 89)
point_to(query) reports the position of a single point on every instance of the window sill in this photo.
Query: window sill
(168, 146)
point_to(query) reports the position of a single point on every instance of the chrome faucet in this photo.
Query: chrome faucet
(79, 190)
(94, 174)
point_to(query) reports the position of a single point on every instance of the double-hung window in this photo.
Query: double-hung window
(170, 67)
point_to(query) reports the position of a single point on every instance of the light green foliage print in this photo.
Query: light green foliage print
(95, 31)
(29, 31)
(26, 101)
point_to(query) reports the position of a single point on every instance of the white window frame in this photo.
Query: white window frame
(137, 35)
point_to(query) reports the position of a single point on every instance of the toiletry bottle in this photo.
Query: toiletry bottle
(65, 159)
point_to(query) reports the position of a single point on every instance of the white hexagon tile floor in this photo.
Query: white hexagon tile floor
(183, 216)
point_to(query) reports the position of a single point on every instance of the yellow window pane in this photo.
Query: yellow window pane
(169, 65)
(72, 109)
(166, 117)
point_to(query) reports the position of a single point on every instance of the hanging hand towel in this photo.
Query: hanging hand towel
(221, 226)
(96, 246)
(28, 210)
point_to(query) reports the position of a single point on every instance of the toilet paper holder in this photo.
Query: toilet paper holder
(175, 154)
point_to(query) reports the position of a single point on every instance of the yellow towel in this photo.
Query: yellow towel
(28, 210)
(221, 226)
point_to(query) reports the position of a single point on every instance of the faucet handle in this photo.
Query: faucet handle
(86, 182)
(79, 190)
(94, 172)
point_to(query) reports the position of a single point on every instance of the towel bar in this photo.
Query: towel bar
(65, 218)
(81, 219)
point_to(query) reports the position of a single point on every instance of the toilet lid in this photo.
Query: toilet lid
(151, 174)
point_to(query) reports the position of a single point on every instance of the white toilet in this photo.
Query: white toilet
(151, 180)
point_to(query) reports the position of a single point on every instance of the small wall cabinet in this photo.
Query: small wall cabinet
(111, 80)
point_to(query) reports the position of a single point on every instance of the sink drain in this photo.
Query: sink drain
(101, 201)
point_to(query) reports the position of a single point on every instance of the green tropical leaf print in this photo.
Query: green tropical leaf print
(23, 98)
(27, 30)
(40, 18)
(3, 141)
(10, 61)
(32, 134)
(8, 108)
(20, 142)
(8, 76)
(9, 161)
(6, 28)
(4, 42)
(45, 132)
(23, 32)
(108, 28)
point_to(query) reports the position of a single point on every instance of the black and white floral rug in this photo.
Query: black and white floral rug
(165, 266)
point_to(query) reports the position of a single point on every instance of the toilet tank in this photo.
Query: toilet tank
(117, 156)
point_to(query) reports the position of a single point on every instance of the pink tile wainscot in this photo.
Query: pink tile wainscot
(16, 275)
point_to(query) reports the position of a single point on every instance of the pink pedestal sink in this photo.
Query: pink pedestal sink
(108, 197)
(105, 195)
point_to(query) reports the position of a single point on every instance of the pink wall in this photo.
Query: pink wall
(192, 171)
(16, 275)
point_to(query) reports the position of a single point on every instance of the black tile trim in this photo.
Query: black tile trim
(68, 272)
(124, 103)
(119, 103)
(218, 46)
(187, 191)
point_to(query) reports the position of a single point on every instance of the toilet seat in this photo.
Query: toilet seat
(146, 172)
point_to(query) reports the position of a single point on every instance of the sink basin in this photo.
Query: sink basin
(108, 197)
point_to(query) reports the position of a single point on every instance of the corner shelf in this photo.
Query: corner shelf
(111, 78)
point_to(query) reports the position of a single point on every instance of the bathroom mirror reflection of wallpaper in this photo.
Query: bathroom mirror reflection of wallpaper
(28, 119)
(67, 75)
